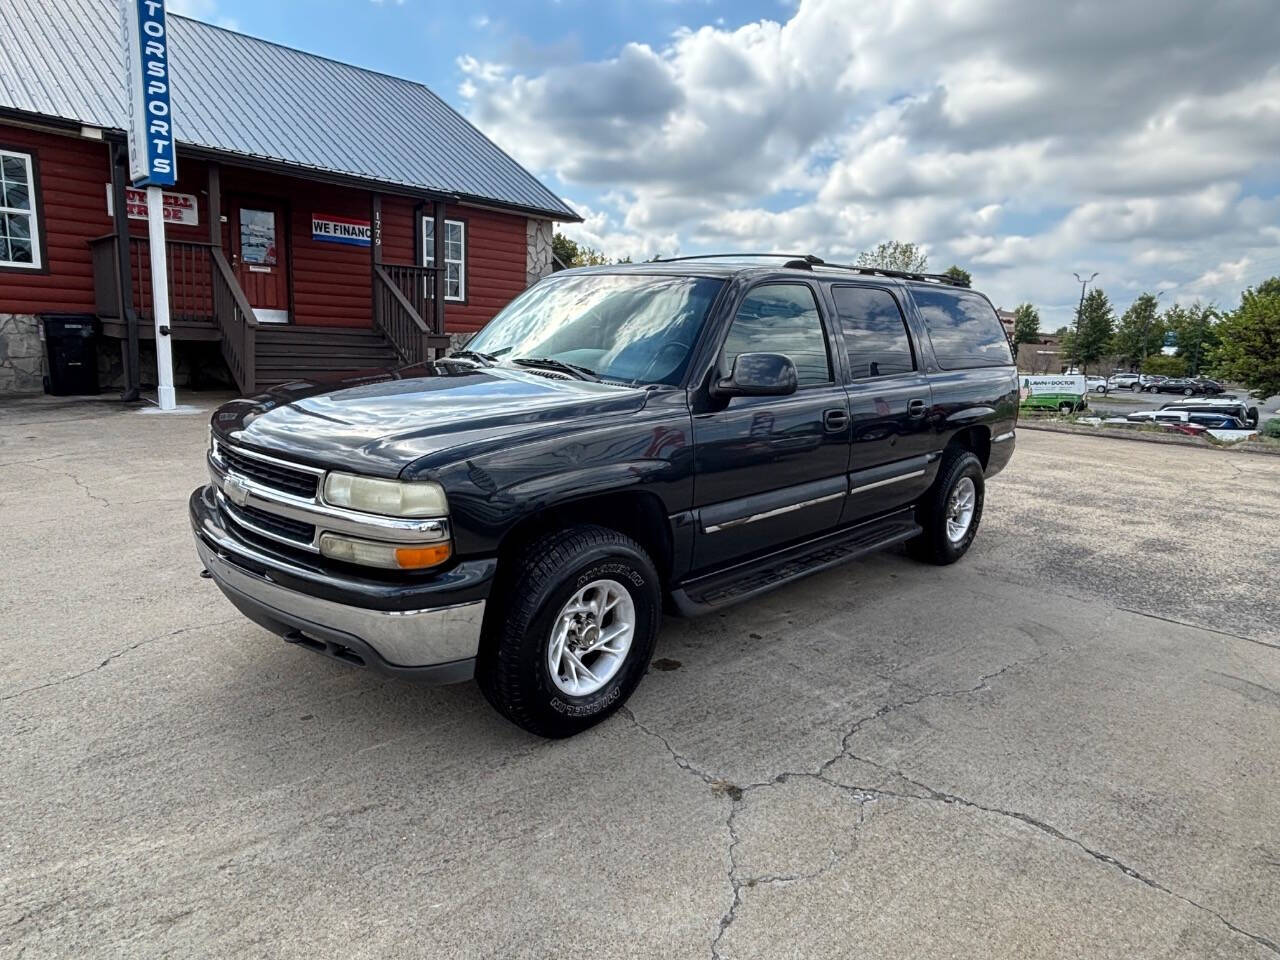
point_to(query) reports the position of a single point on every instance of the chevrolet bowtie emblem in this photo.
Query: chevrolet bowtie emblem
(237, 491)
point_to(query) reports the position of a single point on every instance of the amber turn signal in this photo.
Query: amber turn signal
(415, 558)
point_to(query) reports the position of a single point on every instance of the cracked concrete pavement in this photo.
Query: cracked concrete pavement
(1064, 746)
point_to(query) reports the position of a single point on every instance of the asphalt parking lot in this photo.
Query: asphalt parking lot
(1067, 745)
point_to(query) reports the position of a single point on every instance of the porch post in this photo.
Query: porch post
(119, 156)
(438, 320)
(215, 204)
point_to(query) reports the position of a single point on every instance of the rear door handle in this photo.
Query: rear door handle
(834, 420)
(916, 407)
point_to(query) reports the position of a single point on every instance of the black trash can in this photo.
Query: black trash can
(71, 352)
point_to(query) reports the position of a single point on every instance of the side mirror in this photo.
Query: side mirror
(758, 375)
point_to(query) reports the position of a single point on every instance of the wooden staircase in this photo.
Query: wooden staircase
(288, 352)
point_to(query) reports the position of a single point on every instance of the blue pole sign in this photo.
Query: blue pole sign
(151, 158)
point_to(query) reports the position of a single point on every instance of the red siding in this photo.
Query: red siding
(495, 257)
(331, 283)
(495, 263)
(72, 200)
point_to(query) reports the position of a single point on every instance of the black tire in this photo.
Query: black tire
(1253, 415)
(512, 668)
(1136, 388)
(1187, 391)
(933, 545)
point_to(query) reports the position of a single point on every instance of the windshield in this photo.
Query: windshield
(623, 327)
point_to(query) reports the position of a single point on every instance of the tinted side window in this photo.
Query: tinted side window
(781, 318)
(963, 328)
(875, 333)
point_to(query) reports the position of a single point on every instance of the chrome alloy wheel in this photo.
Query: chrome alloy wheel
(960, 509)
(590, 638)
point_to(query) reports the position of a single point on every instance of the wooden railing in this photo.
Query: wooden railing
(401, 304)
(235, 319)
(189, 269)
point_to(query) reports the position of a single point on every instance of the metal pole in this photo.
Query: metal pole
(1075, 360)
(160, 298)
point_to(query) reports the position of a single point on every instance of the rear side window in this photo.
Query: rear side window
(875, 334)
(963, 328)
(781, 318)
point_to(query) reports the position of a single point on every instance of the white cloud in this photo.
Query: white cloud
(1020, 146)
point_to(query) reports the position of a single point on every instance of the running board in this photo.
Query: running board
(754, 577)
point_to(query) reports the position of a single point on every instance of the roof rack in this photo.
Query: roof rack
(807, 261)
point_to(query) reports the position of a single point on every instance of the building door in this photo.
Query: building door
(260, 257)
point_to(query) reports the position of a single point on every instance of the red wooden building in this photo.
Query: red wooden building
(326, 217)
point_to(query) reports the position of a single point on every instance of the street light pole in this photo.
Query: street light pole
(1079, 311)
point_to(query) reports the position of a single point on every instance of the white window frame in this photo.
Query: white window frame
(429, 256)
(30, 213)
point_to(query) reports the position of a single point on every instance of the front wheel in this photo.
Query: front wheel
(950, 511)
(579, 615)
(1136, 388)
(1187, 391)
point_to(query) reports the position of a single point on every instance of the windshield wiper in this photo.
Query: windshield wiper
(485, 358)
(573, 369)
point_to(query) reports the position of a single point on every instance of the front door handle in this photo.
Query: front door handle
(835, 420)
(916, 407)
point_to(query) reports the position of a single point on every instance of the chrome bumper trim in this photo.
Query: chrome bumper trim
(404, 638)
(1003, 437)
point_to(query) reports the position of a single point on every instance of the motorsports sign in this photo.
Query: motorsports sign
(1052, 392)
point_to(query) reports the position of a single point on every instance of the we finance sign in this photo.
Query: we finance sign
(330, 229)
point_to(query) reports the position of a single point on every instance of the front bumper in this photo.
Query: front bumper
(429, 631)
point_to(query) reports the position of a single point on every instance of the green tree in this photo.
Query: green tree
(959, 273)
(895, 255)
(564, 249)
(1026, 325)
(1140, 332)
(1195, 330)
(1094, 328)
(1249, 349)
(1164, 366)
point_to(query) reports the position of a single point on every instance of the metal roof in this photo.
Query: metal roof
(236, 94)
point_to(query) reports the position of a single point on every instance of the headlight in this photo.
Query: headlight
(390, 556)
(390, 498)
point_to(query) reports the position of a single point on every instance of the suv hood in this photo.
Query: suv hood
(380, 423)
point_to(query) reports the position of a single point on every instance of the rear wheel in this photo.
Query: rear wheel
(951, 510)
(1066, 407)
(580, 613)
(1187, 391)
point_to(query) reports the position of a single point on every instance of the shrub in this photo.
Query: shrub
(1272, 428)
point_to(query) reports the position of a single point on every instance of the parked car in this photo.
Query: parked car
(1210, 420)
(1246, 413)
(1097, 384)
(618, 440)
(1187, 386)
(1125, 381)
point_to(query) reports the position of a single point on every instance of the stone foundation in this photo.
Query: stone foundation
(21, 354)
(538, 250)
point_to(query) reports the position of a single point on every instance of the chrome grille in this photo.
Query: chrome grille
(271, 524)
(269, 473)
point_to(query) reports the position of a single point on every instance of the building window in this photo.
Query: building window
(455, 255)
(19, 236)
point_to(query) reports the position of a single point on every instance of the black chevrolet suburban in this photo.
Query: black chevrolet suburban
(618, 442)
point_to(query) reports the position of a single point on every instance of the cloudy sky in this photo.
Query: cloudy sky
(1021, 139)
